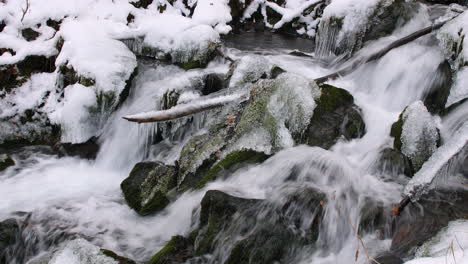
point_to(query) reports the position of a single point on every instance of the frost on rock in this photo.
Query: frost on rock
(347, 24)
(249, 69)
(178, 38)
(24, 113)
(449, 246)
(451, 38)
(420, 136)
(213, 13)
(438, 164)
(80, 251)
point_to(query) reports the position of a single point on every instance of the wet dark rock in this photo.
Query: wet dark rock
(30, 34)
(141, 3)
(335, 116)
(375, 217)
(2, 25)
(437, 96)
(9, 232)
(5, 162)
(420, 221)
(130, 18)
(217, 209)
(169, 99)
(388, 258)
(237, 11)
(276, 71)
(213, 82)
(177, 250)
(147, 186)
(392, 162)
(119, 259)
(85, 150)
(5, 50)
(54, 24)
(69, 76)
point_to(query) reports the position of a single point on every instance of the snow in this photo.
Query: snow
(422, 180)
(80, 251)
(187, 108)
(354, 12)
(419, 134)
(215, 13)
(92, 53)
(449, 246)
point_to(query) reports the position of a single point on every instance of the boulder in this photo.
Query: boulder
(9, 233)
(146, 188)
(5, 162)
(441, 83)
(421, 220)
(416, 134)
(335, 116)
(85, 150)
(393, 163)
(30, 34)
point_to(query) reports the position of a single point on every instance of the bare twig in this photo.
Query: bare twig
(25, 10)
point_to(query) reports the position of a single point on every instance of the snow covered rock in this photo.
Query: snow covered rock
(177, 39)
(347, 24)
(147, 186)
(416, 134)
(451, 39)
(249, 69)
(80, 251)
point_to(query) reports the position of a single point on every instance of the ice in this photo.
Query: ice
(80, 251)
(449, 246)
(250, 69)
(419, 134)
(74, 114)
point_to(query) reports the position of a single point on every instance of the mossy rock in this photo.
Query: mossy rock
(69, 76)
(396, 131)
(5, 162)
(9, 232)
(147, 186)
(195, 61)
(335, 116)
(177, 250)
(119, 259)
(231, 163)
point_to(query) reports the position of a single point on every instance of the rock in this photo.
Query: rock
(147, 186)
(249, 69)
(54, 24)
(448, 2)
(420, 221)
(416, 134)
(276, 71)
(391, 162)
(169, 99)
(212, 83)
(68, 76)
(388, 258)
(86, 150)
(217, 209)
(9, 232)
(437, 96)
(2, 25)
(30, 34)
(119, 259)
(141, 3)
(335, 38)
(335, 116)
(5, 162)
(176, 251)
(231, 163)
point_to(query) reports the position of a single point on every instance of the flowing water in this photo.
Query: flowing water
(69, 197)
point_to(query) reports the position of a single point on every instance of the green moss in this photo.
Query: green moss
(230, 161)
(396, 130)
(332, 98)
(119, 259)
(173, 249)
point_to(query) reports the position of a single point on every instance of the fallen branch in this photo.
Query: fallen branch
(182, 110)
(379, 54)
(288, 15)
